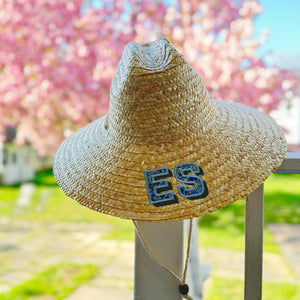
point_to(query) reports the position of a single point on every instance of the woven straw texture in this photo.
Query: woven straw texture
(161, 115)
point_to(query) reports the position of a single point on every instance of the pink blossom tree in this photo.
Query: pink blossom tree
(58, 57)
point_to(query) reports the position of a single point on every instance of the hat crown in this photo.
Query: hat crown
(155, 94)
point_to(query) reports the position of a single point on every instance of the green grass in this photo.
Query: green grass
(59, 207)
(224, 289)
(232, 218)
(282, 205)
(223, 229)
(232, 239)
(282, 199)
(8, 196)
(56, 282)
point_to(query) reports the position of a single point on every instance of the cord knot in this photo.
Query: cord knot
(183, 289)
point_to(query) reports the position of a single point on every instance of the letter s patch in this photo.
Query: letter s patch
(187, 173)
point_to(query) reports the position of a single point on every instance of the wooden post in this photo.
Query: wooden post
(166, 241)
(254, 244)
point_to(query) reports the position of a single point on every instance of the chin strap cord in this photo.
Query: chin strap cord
(183, 287)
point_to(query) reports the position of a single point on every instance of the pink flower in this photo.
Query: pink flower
(58, 58)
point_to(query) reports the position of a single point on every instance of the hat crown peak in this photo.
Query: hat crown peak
(143, 59)
(156, 95)
(152, 56)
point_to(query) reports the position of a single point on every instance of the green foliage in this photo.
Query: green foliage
(233, 289)
(56, 281)
(45, 178)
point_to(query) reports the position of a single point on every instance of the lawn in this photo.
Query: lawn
(56, 282)
(234, 290)
(222, 229)
(282, 205)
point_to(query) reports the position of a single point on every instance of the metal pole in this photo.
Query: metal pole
(254, 244)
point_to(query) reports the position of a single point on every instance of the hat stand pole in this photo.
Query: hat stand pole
(166, 241)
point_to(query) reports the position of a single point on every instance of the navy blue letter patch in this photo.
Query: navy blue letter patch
(160, 190)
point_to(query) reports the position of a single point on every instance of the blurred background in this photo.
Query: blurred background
(57, 61)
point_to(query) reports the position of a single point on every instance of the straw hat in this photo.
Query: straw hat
(166, 150)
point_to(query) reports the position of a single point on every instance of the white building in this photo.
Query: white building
(19, 163)
(288, 116)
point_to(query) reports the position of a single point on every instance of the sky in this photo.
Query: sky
(282, 17)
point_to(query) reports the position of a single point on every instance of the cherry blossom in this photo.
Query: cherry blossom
(58, 57)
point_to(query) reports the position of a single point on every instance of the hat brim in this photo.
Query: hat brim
(237, 151)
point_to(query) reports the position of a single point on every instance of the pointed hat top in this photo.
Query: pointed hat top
(156, 96)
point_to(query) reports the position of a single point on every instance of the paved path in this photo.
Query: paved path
(288, 238)
(27, 248)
